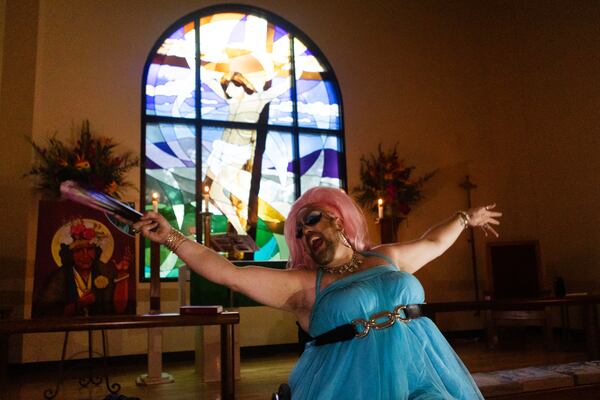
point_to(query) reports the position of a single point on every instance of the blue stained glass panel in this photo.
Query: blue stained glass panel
(277, 179)
(318, 103)
(171, 80)
(171, 173)
(276, 196)
(319, 161)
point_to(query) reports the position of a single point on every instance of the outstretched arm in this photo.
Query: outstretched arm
(282, 289)
(411, 256)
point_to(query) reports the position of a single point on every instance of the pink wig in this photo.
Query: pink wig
(335, 202)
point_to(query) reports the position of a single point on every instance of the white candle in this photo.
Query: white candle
(380, 208)
(206, 198)
(155, 202)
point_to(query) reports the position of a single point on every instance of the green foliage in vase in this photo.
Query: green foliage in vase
(89, 160)
(384, 175)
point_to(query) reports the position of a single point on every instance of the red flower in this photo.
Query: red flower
(390, 192)
(82, 163)
(77, 229)
(89, 234)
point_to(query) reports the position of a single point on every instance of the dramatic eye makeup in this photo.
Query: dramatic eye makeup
(310, 219)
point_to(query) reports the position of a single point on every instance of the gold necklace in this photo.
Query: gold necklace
(351, 266)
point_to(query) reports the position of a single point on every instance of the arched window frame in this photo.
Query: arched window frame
(198, 122)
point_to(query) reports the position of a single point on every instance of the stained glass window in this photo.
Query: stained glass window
(240, 101)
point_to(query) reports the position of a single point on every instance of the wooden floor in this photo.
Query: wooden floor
(261, 374)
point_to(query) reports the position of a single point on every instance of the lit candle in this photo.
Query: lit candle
(155, 202)
(206, 197)
(380, 208)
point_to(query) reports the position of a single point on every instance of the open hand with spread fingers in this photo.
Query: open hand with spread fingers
(484, 217)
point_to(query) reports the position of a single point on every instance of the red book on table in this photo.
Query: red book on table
(200, 310)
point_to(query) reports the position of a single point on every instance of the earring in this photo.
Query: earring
(344, 239)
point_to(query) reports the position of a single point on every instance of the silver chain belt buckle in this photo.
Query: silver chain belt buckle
(375, 322)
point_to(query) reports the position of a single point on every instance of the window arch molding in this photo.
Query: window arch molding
(242, 92)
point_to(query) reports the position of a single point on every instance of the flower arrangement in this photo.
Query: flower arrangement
(90, 161)
(82, 233)
(385, 176)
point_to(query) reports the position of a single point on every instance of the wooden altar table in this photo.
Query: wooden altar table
(588, 303)
(226, 320)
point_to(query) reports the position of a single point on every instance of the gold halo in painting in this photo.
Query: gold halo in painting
(103, 238)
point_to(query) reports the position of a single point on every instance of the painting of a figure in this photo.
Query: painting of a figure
(84, 263)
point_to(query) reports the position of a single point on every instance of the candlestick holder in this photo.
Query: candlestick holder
(154, 278)
(205, 224)
(388, 226)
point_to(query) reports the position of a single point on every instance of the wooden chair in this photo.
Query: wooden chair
(515, 273)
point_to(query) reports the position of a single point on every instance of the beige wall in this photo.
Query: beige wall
(16, 120)
(505, 91)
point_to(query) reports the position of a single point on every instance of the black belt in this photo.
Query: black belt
(376, 321)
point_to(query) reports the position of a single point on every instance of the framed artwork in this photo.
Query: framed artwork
(84, 263)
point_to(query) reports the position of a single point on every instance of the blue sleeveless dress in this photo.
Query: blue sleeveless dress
(405, 361)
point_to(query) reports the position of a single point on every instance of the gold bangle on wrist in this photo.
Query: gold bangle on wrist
(174, 240)
(464, 218)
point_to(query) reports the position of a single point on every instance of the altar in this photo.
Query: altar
(226, 320)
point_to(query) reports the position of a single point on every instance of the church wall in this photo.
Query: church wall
(505, 92)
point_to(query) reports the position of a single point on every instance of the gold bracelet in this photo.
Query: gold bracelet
(464, 218)
(174, 240)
